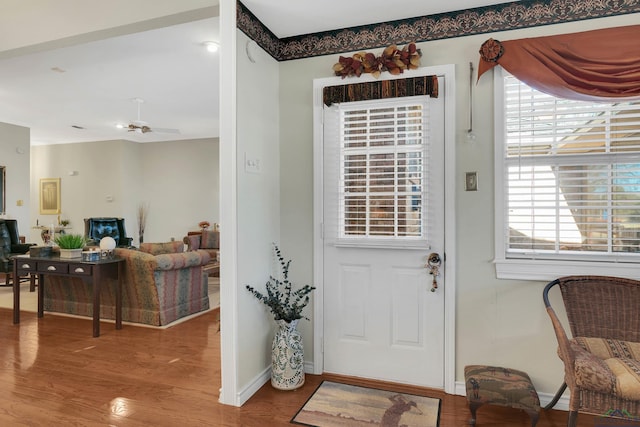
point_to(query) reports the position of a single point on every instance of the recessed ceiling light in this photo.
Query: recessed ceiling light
(212, 46)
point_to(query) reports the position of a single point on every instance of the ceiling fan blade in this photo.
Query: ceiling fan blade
(143, 127)
(165, 130)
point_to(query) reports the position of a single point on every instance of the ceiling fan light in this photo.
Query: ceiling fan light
(212, 46)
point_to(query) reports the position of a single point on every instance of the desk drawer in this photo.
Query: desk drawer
(80, 269)
(27, 265)
(53, 267)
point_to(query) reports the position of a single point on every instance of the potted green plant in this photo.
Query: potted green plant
(286, 305)
(70, 245)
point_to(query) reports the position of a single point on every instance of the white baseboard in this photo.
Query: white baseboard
(253, 386)
(562, 405)
(308, 368)
(260, 380)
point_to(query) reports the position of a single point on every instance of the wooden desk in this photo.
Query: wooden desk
(95, 271)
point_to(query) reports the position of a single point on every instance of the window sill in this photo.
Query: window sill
(547, 270)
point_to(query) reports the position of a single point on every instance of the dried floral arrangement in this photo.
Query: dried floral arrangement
(143, 211)
(393, 60)
(285, 302)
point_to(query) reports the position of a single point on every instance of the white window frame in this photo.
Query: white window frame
(531, 268)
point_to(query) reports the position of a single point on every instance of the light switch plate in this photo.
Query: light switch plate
(251, 164)
(471, 181)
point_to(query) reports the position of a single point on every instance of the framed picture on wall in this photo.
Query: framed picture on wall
(49, 196)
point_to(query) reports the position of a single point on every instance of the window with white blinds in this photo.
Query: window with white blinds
(383, 156)
(571, 174)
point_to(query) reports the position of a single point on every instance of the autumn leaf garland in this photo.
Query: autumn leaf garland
(393, 60)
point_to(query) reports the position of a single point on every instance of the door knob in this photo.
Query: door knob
(433, 265)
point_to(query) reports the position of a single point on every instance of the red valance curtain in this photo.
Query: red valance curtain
(591, 65)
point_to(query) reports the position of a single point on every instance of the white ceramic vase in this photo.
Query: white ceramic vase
(287, 357)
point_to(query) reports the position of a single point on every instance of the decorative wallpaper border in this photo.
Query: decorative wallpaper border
(501, 17)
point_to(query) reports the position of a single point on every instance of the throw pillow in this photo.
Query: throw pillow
(162, 248)
(606, 348)
(210, 240)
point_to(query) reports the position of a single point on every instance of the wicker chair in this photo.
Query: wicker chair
(602, 360)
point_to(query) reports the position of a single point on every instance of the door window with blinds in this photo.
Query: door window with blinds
(382, 188)
(571, 176)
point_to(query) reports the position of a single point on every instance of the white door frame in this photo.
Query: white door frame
(448, 72)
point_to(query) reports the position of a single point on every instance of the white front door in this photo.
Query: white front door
(383, 198)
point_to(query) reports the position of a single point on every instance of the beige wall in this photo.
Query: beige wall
(258, 216)
(181, 185)
(498, 322)
(14, 155)
(178, 180)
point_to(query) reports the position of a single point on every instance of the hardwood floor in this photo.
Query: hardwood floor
(54, 373)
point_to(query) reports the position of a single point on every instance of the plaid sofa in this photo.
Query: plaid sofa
(161, 284)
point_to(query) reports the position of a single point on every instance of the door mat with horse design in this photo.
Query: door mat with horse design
(335, 404)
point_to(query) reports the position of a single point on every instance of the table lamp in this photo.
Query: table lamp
(107, 245)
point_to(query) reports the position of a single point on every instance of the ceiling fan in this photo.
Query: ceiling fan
(142, 127)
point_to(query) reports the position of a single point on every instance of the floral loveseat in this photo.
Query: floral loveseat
(161, 284)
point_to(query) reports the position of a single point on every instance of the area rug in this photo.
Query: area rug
(336, 404)
(28, 300)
